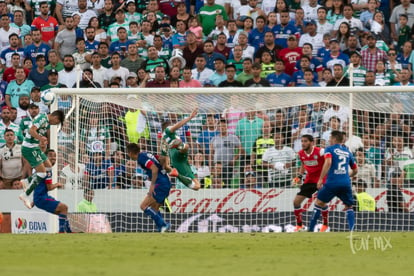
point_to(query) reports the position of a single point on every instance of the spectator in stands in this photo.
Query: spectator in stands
(268, 46)
(312, 37)
(366, 171)
(201, 72)
(17, 87)
(87, 80)
(68, 75)
(99, 172)
(37, 47)
(279, 161)
(339, 78)
(85, 14)
(116, 70)
(153, 61)
(35, 99)
(284, 30)
(209, 132)
(12, 164)
(395, 198)
(335, 56)
(354, 23)
(225, 149)
(90, 43)
(372, 54)
(192, 49)
(6, 31)
(6, 53)
(359, 72)
(54, 61)
(46, 23)
(298, 77)
(22, 109)
(208, 13)
(247, 73)
(65, 9)
(39, 75)
(363, 200)
(10, 73)
(7, 123)
(65, 42)
(334, 124)
(291, 54)
(67, 174)
(323, 25)
(279, 78)
(248, 51)
(86, 205)
(369, 79)
(120, 22)
(406, 7)
(121, 44)
(352, 45)
(187, 81)
(107, 17)
(221, 47)
(99, 33)
(19, 22)
(53, 83)
(219, 74)
(230, 80)
(159, 79)
(257, 80)
(97, 69)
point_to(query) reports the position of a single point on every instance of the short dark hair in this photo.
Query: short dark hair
(230, 66)
(8, 130)
(13, 34)
(309, 137)
(39, 57)
(133, 148)
(337, 135)
(59, 114)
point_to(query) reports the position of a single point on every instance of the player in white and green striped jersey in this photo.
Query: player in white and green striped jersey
(38, 134)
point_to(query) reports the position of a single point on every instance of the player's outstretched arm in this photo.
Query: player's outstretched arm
(183, 122)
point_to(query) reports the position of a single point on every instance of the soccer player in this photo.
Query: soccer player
(338, 159)
(44, 201)
(172, 146)
(312, 160)
(160, 185)
(31, 151)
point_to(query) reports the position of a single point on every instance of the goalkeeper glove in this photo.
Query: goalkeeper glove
(297, 179)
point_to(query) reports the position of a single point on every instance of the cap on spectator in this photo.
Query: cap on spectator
(34, 88)
(116, 77)
(333, 40)
(371, 35)
(310, 22)
(130, 1)
(76, 13)
(6, 107)
(132, 75)
(208, 83)
(355, 53)
(53, 71)
(177, 53)
(119, 10)
(166, 16)
(292, 37)
(32, 105)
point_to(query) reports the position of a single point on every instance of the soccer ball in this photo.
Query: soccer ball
(48, 97)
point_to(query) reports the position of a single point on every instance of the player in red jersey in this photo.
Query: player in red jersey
(312, 160)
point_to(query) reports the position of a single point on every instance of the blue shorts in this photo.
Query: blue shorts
(47, 203)
(343, 192)
(162, 190)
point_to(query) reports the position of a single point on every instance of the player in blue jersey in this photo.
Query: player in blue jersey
(160, 185)
(44, 201)
(338, 159)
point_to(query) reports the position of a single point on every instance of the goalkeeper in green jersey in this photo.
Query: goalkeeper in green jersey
(175, 151)
(37, 135)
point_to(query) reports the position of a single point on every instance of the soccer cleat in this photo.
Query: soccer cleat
(324, 228)
(173, 173)
(26, 200)
(165, 228)
(298, 228)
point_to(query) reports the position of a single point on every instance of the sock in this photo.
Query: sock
(36, 179)
(325, 216)
(185, 180)
(49, 176)
(316, 214)
(298, 215)
(62, 220)
(159, 221)
(350, 215)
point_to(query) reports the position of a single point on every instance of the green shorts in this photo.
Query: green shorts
(34, 156)
(180, 162)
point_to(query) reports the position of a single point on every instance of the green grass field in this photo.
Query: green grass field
(209, 254)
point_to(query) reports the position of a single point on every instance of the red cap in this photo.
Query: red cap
(6, 107)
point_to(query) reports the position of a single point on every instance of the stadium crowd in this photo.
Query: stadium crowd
(223, 43)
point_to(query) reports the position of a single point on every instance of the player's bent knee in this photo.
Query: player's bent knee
(61, 209)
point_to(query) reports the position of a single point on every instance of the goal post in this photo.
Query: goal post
(244, 189)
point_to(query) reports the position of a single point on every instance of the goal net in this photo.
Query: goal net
(243, 148)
